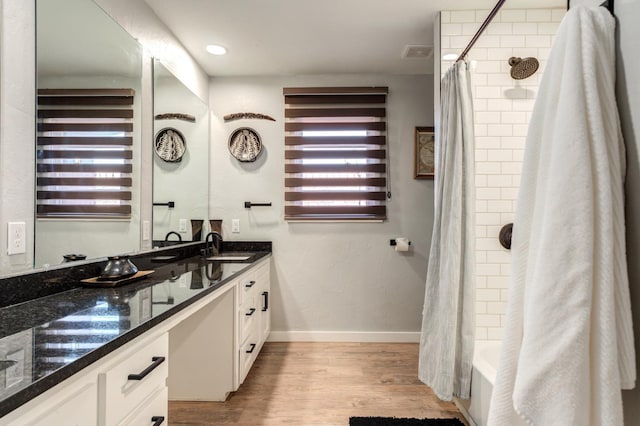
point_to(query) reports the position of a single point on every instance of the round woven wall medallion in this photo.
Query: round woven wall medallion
(245, 144)
(170, 145)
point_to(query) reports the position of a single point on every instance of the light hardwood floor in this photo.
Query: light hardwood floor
(322, 384)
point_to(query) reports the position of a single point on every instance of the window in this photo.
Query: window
(335, 157)
(84, 156)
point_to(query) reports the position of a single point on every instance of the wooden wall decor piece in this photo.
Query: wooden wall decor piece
(247, 115)
(176, 116)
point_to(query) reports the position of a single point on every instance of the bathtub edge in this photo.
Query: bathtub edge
(463, 410)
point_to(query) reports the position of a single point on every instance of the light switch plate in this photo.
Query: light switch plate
(16, 238)
(235, 226)
(182, 225)
(146, 230)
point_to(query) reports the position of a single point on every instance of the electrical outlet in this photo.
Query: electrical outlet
(146, 230)
(235, 226)
(182, 225)
(16, 238)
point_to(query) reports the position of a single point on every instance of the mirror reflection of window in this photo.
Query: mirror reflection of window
(84, 155)
(15, 362)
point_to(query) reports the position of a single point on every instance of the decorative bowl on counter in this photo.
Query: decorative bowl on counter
(73, 257)
(118, 267)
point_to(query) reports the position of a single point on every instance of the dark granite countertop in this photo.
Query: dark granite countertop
(48, 339)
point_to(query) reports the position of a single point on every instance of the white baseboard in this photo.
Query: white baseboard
(344, 336)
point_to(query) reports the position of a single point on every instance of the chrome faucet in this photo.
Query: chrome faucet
(216, 243)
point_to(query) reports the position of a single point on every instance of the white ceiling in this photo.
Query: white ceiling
(287, 37)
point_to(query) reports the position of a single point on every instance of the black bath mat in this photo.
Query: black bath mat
(394, 421)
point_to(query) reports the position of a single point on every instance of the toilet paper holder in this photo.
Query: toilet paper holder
(392, 242)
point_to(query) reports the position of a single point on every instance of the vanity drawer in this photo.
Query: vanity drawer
(251, 281)
(248, 315)
(263, 271)
(137, 373)
(247, 287)
(153, 411)
(248, 352)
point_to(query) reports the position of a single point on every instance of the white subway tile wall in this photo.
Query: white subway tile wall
(502, 110)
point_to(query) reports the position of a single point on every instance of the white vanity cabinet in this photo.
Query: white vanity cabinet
(73, 402)
(264, 292)
(150, 413)
(213, 349)
(254, 317)
(131, 381)
(103, 394)
(201, 353)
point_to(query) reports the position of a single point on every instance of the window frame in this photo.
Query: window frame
(338, 177)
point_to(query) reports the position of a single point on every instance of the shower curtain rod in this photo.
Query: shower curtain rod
(484, 25)
(608, 4)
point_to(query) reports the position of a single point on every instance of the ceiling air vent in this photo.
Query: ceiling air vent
(417, 51)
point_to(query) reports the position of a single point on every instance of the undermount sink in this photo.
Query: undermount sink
(231, 256)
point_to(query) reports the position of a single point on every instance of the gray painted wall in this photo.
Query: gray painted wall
(17, 131)
(328, 277)
(628, 93)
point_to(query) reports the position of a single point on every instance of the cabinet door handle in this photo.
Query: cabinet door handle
(157, 360)
(157, 420)
(265, 306)
(251, 311)
(252, 346)
(250, 284)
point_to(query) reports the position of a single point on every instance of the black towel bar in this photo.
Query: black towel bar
(170, 204)
(249, 204)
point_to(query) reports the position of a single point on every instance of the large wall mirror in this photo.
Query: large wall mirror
(180, 160)
(81, 47)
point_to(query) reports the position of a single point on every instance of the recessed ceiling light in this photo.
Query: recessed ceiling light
(215, 49)
(450, 57)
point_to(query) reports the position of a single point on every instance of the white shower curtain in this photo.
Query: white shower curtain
(447, 337)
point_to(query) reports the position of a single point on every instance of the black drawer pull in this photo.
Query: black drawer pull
(253, 346)
(157, 360)
(251, 311)
(265, 295)
(157, 420)
(250, 284)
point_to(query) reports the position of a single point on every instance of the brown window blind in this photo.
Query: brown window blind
(335, 156)
(84, 156)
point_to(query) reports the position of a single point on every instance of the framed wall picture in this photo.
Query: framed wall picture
(424, 153)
